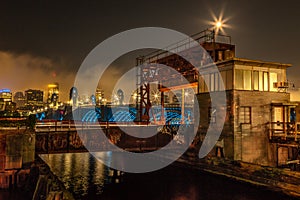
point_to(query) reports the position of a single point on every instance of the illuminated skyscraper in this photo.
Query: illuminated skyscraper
(5, 95)
(53, 93)
(100, 97)
(34, 97)
(73, 97)
(19, 99)
(6, 100)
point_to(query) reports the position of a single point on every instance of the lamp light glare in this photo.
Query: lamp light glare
(218, 24)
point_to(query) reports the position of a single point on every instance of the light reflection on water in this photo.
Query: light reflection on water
(78, 171)
(88, 178)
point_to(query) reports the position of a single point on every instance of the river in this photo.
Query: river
(88, 178)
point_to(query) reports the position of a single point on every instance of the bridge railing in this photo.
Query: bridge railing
(54, 125)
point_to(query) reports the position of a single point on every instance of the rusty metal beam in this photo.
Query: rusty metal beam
(179, 87)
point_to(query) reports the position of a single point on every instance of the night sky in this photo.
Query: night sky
(46, 41)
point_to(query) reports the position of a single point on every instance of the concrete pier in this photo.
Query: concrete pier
(17, 152)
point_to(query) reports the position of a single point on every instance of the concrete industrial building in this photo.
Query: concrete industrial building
(260, 124)
(259, 113)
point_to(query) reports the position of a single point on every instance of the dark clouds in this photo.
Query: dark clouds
(62, 33)
(24, 71)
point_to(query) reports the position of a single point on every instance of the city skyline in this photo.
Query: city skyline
(42, 43)
(150, 99)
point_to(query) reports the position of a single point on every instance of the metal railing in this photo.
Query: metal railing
(201, 37)
(284, 130)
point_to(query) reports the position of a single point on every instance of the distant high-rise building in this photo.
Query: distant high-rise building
(73, 97)
(84, 99)
(19, 99)
(53, 93)
(99, 96)
(120, 95)
(5, 95)
(34, 97)
(6, 100)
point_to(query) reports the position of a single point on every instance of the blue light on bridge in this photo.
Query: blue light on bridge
(91, 116)
(40, 116)
(121, 114)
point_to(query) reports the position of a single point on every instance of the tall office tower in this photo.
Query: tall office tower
(53, 93)
(5, 95)
(19, 99)
(34, 97)
(100, 100)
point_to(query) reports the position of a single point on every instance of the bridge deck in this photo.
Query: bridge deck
(54, 126)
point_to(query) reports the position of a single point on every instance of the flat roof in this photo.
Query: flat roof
(255, 62)
(262, 62)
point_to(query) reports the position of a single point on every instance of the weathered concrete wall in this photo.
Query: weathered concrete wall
(17, 147)
(251, 143)
(2, 152)
(246, 142)
(58, 142)
(17, 151)
(227, 130)
(94, 140)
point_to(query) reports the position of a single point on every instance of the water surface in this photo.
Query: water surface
(88, 178)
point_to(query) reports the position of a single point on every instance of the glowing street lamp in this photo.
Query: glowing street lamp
(219, 23)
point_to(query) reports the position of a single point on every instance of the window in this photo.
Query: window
(209, 81)
(247, 80)
(212, 115)
(239, 79)
(245, 115)
(260, 74)
(227, 80)
(258, 80)
(243, 79)
(266, 81)
(216, 82)
(255, 80)
(212, 82)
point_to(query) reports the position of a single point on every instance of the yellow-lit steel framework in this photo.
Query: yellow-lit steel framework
(149, 70)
